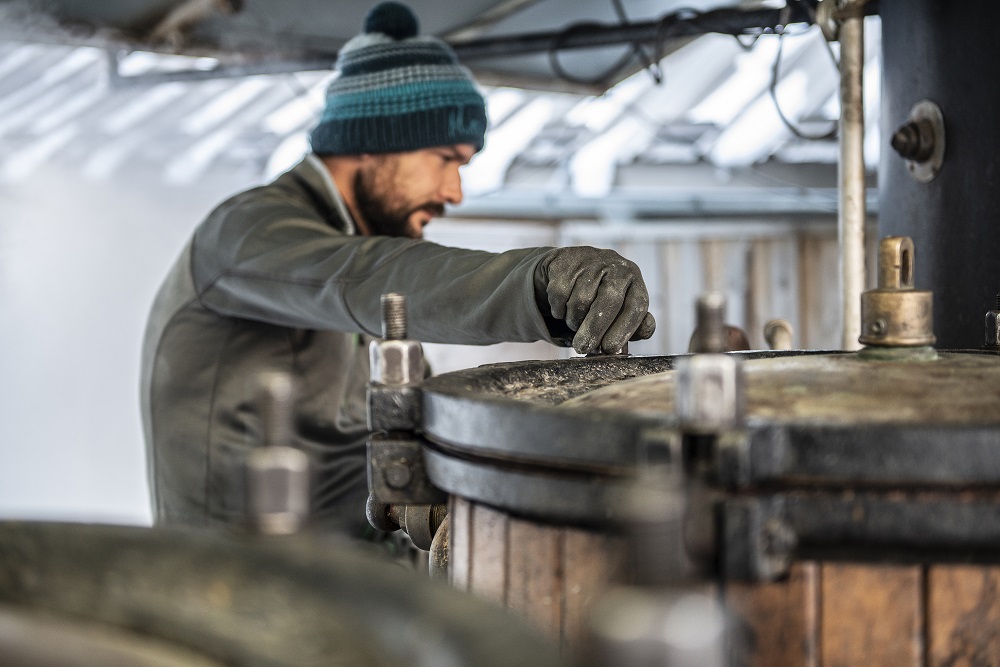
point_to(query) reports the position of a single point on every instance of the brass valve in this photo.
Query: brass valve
(895, 314)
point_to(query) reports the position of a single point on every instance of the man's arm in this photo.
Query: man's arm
(273, 261)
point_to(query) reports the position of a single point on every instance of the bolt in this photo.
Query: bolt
(277, 398)
(711, 328)
(993, 327)
(381, 516)
(778, 334)
(779, 538)
(393, 316)
(277, 489)
(877, 328)
(914, 141)
(397, 475)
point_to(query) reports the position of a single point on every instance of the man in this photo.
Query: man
(288, 277)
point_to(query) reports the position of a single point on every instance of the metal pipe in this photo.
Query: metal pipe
(851, 175)
(725, 21)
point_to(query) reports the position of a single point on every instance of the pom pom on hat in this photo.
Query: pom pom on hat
(393, 19)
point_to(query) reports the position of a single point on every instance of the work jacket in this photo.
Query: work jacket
(275, 280)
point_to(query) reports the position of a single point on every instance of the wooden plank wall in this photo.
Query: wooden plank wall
(785, 269)
(769, 270)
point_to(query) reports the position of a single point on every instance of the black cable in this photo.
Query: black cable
(636, 52)
(651, 65)
(598, 80)
(777, 107)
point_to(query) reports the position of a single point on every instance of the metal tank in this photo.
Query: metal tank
(830, 506)
(945, 53)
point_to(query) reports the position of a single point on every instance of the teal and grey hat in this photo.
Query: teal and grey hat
(394, 91)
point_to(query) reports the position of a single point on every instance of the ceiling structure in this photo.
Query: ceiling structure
(699, 132)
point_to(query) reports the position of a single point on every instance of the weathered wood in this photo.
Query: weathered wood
(488, 554)
(759, 289)
(963, 616)
(591, 562)
(775, 624)
(458, 555)
(871, 615)
(534, 574)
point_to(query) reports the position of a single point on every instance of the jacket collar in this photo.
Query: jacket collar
(312, 173)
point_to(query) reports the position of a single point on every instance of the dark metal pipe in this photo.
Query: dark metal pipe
(577, 36)
(593, 35)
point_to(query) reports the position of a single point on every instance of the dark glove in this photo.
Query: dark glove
(598, 294)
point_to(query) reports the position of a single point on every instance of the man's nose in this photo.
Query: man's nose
(451, 187)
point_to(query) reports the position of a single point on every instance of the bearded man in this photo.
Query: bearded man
(287, 278)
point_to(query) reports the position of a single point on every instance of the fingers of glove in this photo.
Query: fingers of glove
(645, 329)
(564, 270)
(562, 280)
(631, 315)
(604, 310)
(585, 292)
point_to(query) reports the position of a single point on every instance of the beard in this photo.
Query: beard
(386, 212)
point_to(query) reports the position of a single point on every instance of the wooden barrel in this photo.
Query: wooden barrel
(852, 516)
(551, 574)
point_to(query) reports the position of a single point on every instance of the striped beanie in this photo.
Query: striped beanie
(394, 91)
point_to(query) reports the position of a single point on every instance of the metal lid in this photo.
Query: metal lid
(844, 389)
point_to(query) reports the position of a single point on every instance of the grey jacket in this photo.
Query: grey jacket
(273, 280)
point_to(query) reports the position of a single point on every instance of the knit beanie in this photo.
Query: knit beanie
(394, 91)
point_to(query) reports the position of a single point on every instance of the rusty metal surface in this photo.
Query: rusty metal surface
(837, 389)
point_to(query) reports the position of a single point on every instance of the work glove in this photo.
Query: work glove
(595, 297)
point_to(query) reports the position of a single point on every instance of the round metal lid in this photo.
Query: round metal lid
(842, 389)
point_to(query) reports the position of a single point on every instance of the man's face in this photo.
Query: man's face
(397, 194)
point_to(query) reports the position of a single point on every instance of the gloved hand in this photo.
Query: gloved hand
(598, 294)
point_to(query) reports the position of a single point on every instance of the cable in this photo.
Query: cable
(598, 80)
(635, 52)
(777, 107)
(651, 65)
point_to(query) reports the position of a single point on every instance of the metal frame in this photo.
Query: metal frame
(494, 435)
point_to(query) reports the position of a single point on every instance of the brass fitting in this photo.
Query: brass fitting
(896, 314)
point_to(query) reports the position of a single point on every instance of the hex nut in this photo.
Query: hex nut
(993, 329)
(396, 362)
(709, 395)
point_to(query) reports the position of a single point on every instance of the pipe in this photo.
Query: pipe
(851, 175)
(732, 21)
(727, 21)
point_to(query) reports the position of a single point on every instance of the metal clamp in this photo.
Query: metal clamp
(757, 541)
(396, 471)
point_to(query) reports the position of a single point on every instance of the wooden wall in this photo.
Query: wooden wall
(786, 269)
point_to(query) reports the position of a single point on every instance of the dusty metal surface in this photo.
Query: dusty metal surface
(45, 640)
(837, 389)
(242, 601)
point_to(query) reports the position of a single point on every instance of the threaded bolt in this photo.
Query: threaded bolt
(277, 398)
(393, 316)
(711, 315)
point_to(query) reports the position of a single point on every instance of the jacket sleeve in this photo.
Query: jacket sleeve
(271, 259)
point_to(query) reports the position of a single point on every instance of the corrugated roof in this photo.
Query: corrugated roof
(713, 112)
